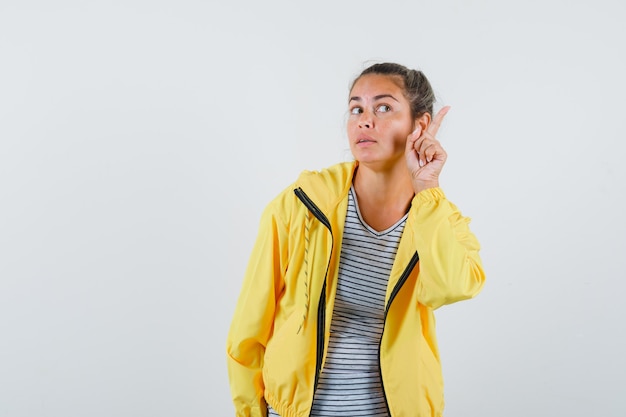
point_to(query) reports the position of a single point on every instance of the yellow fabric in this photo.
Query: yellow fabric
(272, 344)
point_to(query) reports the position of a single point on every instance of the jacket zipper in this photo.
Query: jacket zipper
(321, 310)
(396, 290)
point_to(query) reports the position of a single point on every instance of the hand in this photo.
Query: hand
(424, 155)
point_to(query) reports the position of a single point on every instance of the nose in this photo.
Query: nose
(366, 120)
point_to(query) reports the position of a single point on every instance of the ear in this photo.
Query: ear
(423, 121)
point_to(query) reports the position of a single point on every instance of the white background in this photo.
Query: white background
(140, 140)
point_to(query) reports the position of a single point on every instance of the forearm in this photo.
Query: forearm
(450, 268)
(253, 318)
(246, 386)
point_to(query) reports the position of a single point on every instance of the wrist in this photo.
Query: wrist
(421, 186)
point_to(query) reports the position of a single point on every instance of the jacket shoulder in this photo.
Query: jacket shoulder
(328, 185)
(324, 187)
(340, 174)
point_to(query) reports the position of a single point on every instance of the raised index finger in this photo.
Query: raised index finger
(436, 123)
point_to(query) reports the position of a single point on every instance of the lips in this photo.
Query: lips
(364, 139)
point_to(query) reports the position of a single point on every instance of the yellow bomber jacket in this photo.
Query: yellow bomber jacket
(278, 339)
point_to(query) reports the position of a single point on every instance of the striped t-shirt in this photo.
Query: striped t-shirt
(350, 382)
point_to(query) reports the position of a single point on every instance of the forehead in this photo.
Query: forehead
(377, 84)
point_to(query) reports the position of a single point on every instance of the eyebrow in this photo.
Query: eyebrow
(378, 97)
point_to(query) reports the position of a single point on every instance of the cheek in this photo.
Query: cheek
(404, 128)
(401, 133)
(393, 128)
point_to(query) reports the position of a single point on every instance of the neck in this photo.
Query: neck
(386, 189)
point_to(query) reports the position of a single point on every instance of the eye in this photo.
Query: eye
(383, 108)
(356, 110)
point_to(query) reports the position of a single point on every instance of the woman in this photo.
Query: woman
(335, 316)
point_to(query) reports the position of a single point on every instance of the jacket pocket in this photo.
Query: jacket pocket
(288, 370)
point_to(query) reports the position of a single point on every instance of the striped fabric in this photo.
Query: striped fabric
(350, 384)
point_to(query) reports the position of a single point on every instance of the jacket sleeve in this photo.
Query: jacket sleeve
(450, 268)
(253, 318)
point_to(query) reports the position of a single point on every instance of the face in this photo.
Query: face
(379, 121)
